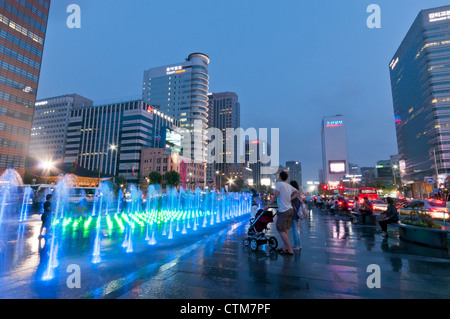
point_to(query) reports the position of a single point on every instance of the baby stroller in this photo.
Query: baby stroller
(256, 231)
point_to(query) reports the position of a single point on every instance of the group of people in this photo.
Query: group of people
(291, 209)
(365, 208)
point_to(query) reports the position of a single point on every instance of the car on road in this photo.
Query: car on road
(434, 208)
(379, 205)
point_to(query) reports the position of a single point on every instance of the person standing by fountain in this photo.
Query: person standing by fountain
(284, 194)
(46, 217)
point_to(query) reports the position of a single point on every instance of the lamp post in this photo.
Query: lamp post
(395, 179)
(231, 182)
(47, 167)
(110, 148)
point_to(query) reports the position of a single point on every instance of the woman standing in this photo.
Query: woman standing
(297, 204)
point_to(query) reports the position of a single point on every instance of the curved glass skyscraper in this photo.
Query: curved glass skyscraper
(181, 91)
(420, 80)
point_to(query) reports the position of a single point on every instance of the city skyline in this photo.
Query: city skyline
(293, 68)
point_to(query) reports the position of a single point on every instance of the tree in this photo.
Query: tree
(155, 177)
(120, 180)
(238, 185)
(173, 178)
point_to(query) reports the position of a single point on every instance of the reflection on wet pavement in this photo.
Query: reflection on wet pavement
(215, 264)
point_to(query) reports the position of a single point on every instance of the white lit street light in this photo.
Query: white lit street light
(111, 147)
(47, 166)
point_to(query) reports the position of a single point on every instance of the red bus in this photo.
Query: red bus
(369, 192)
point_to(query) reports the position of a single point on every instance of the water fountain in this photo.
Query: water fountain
(123, 219)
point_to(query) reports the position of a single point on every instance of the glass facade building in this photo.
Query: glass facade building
(181, 91)
(50, 122)
(23, 26)
(334, 150)
(224, 111)
(110, 138)
(420, 80)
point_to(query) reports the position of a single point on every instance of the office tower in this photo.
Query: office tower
(224, 112)
(110, 137)
(23, 26)
(255, 153)
(368, 175)
(420, 81)
(295, 172)
(354, 169)
(334, 150)
(180, 90)
(50, 124)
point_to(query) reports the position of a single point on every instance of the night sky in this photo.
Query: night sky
(290, 62)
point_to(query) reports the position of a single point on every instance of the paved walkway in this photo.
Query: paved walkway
(332, 264)
(215, 265)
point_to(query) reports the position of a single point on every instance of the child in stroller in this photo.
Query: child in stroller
(256, 231)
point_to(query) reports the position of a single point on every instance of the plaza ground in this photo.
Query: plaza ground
(213, 264)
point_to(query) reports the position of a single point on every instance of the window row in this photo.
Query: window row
(17, 85)
(20, 43)
(19, 57)
(15, 99)
(14, 129)
(22, 15)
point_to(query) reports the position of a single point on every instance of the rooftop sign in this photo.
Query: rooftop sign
(439, 16)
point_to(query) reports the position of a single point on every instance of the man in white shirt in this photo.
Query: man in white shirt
(284, 194)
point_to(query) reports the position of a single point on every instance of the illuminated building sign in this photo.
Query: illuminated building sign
(439, 16)
(175, 69)
(149, 109)
(172, 140)
(394, 63)
(41, 103)
(335, 123)
(337, 167)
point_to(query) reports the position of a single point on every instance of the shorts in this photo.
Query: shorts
(284, 220)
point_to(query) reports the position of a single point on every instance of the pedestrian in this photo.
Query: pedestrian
(46, 217)
(366, 209)
(390, 216)
(357, 205)
(298, 214)
(284, 194)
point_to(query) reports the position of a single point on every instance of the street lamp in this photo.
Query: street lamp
(47, 166)
(231, 182)
(111, 147)
(395, 179)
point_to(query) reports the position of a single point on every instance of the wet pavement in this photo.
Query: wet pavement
(214, 264)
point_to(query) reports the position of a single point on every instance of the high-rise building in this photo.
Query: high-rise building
(23, 26)
(368, 175)
(180, 90)
(354, 169)
(50, 123)
(110, 138)
(420, 80)
(255, 153)
(295, 172)
(334, 150)
(224, 112)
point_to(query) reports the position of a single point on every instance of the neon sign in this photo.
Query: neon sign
(439, 16)
(174, 69)
(335, 123)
